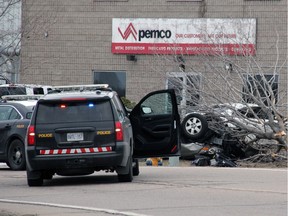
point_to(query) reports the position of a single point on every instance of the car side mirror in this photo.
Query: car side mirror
(29, 115)
(146, 110)
(128, 110)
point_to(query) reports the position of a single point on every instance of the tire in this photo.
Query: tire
(16, 155)
(129, 176)
(136, 167)
(47, 175)
(35, 182)
(37, 179)
(194, 126)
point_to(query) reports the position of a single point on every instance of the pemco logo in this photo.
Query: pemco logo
(130, 30)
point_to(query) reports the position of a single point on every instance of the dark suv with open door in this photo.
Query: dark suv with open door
(79, 132)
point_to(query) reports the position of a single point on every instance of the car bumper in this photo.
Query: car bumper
(97, 161)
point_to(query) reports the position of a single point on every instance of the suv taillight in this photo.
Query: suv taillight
(118, 131)
(31, 135)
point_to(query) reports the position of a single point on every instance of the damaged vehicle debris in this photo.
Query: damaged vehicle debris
(212, 138)
(206, 155)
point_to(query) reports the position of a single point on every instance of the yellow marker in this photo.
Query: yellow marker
(154, 161)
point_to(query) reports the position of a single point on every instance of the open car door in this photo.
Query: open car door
(156, 125)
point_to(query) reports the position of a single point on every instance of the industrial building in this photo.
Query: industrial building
(135, 45)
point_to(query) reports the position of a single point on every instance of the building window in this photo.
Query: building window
(115, 79)
(186, 86)
(259, 86)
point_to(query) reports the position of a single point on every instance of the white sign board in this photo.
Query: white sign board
(184, 36)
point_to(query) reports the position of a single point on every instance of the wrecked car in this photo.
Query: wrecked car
(218, 126)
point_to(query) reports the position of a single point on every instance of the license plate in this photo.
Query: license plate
(75, 137)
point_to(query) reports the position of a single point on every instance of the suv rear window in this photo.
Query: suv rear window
(78, 111)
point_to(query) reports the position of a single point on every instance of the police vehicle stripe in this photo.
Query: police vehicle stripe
(75, 151)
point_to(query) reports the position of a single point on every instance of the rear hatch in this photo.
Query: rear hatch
(74, 126)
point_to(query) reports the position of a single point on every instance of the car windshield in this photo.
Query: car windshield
(67, 112)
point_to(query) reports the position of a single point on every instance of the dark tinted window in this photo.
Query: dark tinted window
(5, 112)
(12, 91)
(14, 115)
(38, 91)
(74, 112)
(157, 104)
(8, 113)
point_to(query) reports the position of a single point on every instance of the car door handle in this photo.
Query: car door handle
(7, 126)
(148, 119)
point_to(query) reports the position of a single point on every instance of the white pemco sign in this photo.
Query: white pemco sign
(184, 36)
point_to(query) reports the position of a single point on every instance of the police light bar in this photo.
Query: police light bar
(21, 97)
(80, 87)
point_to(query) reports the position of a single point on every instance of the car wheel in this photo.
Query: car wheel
(16, 155)
(47, 175)
(37, 179)
(194, 126)
(135, 167)
(129, 176)
(35, 182)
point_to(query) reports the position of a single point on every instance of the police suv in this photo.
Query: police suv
(78, 132)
